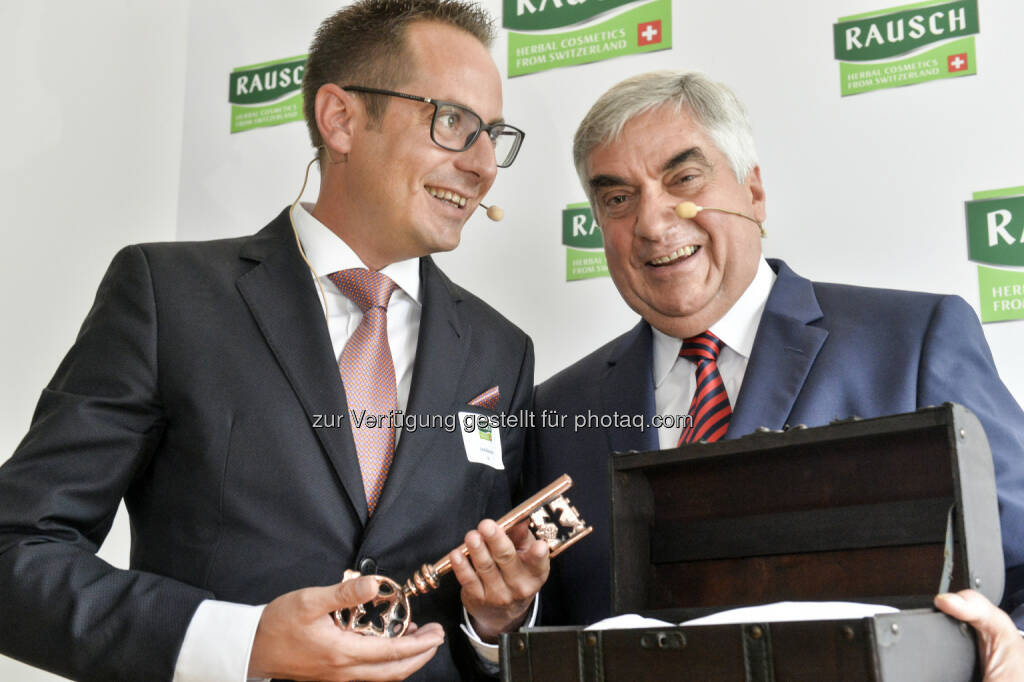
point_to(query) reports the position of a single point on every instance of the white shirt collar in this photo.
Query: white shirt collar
(737, 328)
(328, 253)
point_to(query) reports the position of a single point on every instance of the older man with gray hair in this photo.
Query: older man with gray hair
(732, 339)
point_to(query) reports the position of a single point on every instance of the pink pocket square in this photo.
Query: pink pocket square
(488, 399)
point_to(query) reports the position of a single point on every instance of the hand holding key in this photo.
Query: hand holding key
(505, 573)
(500, 577)
(296, 640)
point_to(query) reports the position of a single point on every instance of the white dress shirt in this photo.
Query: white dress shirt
(675, 379)
(327, 253)
(219, 638)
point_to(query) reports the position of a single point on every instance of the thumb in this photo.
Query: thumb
(352, 592)
(321, 600)
(954, 605)
(973, 608)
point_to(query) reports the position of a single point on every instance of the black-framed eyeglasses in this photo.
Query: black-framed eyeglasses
(455, 128)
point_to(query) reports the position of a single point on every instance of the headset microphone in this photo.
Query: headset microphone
(494, 212)
(688, 210)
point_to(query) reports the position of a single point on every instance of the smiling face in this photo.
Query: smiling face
(680, 275)
(402, 195)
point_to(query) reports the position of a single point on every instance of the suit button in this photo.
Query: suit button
(367, 566)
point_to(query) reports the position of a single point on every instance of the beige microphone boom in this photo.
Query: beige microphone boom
(688, 210)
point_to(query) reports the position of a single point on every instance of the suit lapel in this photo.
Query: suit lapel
(282, 297)
(627, 388)
(441, 349)
(784, 350)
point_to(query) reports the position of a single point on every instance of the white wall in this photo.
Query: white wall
(90, 131)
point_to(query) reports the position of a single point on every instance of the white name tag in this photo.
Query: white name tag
(481, 439)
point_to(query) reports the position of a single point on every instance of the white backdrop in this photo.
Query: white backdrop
(866, 189)
(91, 137)
(106, 115)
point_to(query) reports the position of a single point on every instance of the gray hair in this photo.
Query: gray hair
(713, 106)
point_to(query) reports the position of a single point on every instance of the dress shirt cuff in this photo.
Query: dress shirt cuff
(488, 653)
(218, 643)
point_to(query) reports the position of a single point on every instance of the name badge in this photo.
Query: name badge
(481, 439)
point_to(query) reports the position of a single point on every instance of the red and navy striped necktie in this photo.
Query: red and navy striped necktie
(709, 408)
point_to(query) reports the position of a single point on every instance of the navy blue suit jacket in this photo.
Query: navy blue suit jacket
(822, 352)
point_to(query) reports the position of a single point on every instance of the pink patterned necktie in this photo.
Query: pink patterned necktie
(368, 374)
(709, 408)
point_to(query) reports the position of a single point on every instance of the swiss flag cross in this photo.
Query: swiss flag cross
(648, 33)
(956, 62)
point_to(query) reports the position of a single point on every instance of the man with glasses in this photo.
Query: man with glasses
(204, 390)
(455, 128)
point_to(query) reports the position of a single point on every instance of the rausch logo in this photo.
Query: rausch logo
(643, 28)
(537, 15)
(262, 94)
(863, 40)
(584, 253)
(995, 236)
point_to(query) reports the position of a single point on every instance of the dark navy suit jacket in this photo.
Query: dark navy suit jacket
(822, 352)
(193, 392)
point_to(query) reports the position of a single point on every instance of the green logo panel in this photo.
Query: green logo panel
(882, 36)
(579, 229)
(995, 231)
(647, 28)
(266, 82)
(537, 15)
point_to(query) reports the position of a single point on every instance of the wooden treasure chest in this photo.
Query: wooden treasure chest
(888, 511)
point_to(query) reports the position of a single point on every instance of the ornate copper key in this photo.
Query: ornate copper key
(551, 519)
